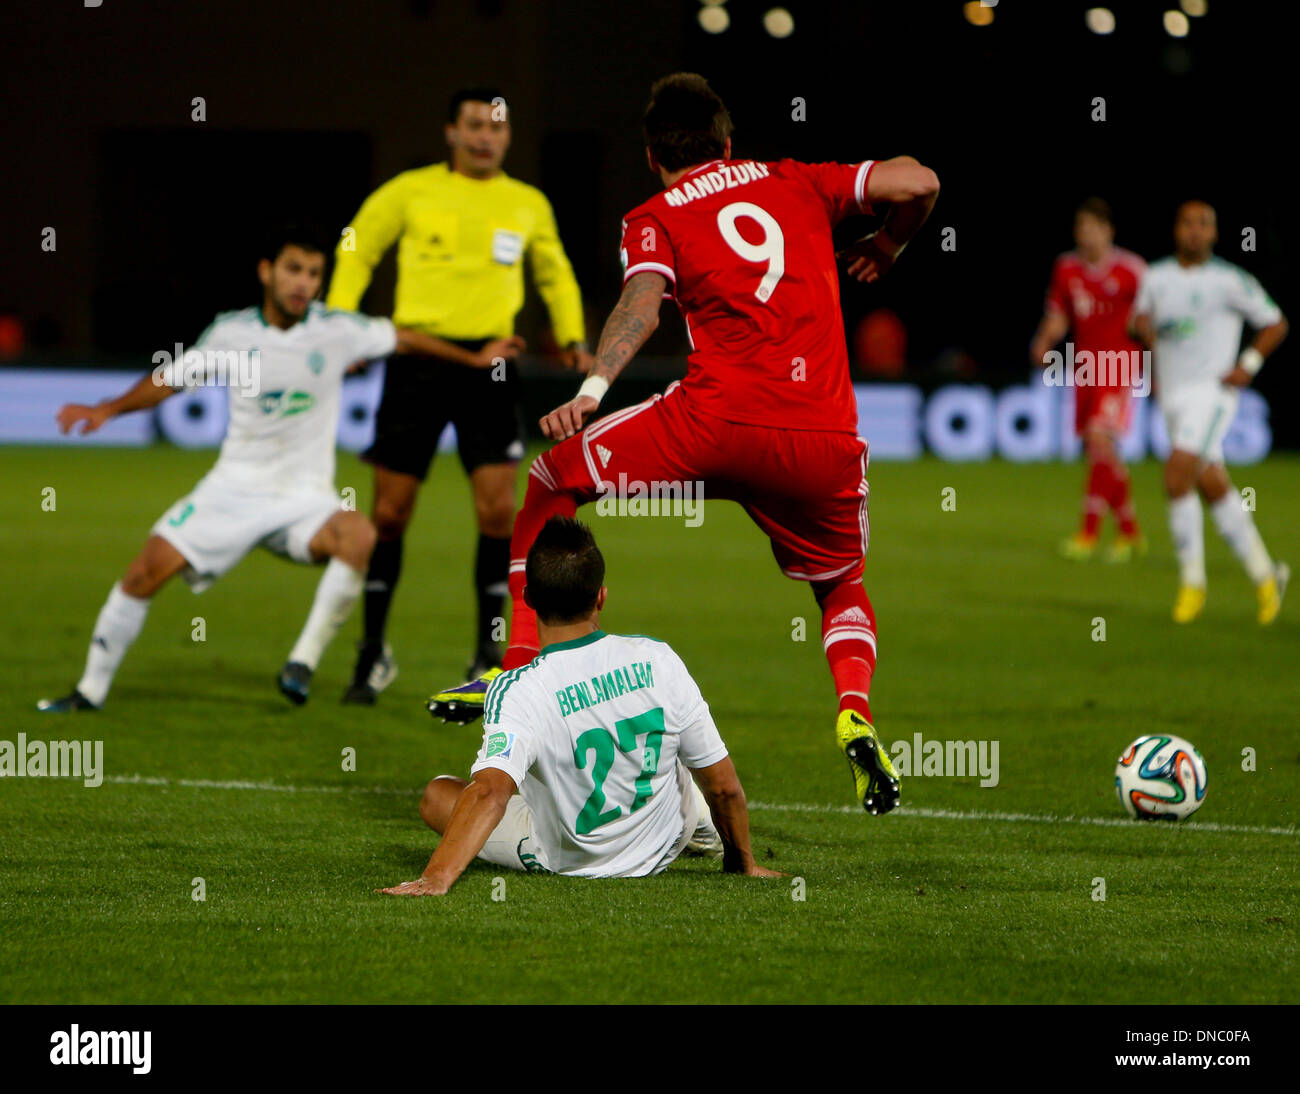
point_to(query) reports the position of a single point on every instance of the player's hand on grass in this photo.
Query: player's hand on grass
(421, 886)
(71, 413)
(499, 349)
(755, 870)
(564, 421)
(1238, 377)
(867, 259)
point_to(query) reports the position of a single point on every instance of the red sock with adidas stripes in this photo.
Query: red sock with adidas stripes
(540, 504)
(849, 641)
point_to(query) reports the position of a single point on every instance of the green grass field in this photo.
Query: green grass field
(967, 894)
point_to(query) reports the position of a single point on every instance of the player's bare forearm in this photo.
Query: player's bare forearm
(630, 324)
(147, 392)
(478, 811)
(721, 787)
(413, 341)
(1050, 331)
(1144, 330)
(909, 189)
(1267, 339)
(633, 320)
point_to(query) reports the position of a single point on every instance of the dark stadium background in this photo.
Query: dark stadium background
(310, 105)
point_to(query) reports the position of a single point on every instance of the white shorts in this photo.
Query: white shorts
(1198, 418)
(218, 523)
(513, 844)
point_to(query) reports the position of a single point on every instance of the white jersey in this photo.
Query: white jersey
(1198, 313)
(591, 732)
(282, 429)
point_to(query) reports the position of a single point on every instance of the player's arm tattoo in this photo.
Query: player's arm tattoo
(632, 321)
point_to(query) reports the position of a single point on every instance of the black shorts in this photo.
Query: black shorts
(422, 394)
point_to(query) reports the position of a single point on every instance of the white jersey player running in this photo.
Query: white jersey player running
(1190, 310)
(601, 735)
(273, 483)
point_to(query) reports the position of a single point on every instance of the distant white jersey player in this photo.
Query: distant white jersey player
(1190, 309)
(601, 735)
(273, 483)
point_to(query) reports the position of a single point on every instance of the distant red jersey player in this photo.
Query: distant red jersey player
(1091, 295)
(766, 414)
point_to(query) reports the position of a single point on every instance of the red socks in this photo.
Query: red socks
(1121, 501)
(1108, 487)
(849, 639)
(540, 504)
(1095, 500)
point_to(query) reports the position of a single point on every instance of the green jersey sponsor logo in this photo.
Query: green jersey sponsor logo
(499, 744)
(281, 404)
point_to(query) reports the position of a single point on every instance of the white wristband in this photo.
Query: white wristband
(595, 387)
(1251, 360)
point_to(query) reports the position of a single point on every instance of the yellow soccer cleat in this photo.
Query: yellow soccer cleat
(1127, 548)
(1270, 593)
(1191, 599)
(874, 779)
(1079, 548)
(463, 703)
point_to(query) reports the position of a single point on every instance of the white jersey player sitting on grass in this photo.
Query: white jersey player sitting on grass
(273, 483)
(1190, 310)
(601, 735)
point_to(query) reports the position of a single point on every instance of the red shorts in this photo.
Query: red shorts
(806, 489)
(1108, 408)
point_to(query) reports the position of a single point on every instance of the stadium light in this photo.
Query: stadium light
(1176, 24)
(1100, 20)
(714, 18)
(779, 23)
(1194, 8)
(977, 14)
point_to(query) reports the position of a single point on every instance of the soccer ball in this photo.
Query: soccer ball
(1160, 777)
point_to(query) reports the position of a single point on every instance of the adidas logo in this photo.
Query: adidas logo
(604, 454)
(852, 615)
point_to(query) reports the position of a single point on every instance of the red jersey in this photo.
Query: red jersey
(746, 248)
(1097, 299)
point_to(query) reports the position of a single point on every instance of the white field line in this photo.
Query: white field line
(760, 807)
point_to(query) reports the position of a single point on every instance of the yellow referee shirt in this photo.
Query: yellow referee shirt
(460, 249)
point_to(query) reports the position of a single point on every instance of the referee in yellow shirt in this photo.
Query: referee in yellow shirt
(462, 230)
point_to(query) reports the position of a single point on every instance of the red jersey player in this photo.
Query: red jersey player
(766, 414)
(1091, 293)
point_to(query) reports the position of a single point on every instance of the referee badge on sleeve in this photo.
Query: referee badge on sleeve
(507, 246)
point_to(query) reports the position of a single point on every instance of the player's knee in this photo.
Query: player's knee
(391, 518)
(496, 513)
(429, 803)
(1178, 479)
(142, 579)
(356, 540)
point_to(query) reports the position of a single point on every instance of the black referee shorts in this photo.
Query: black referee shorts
(422, 394)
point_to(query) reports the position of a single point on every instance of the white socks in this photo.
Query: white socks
(339, 589)
(119, 622)
(1237, 527)
(1187, 529)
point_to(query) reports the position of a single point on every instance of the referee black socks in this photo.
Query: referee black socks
(491, 582)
